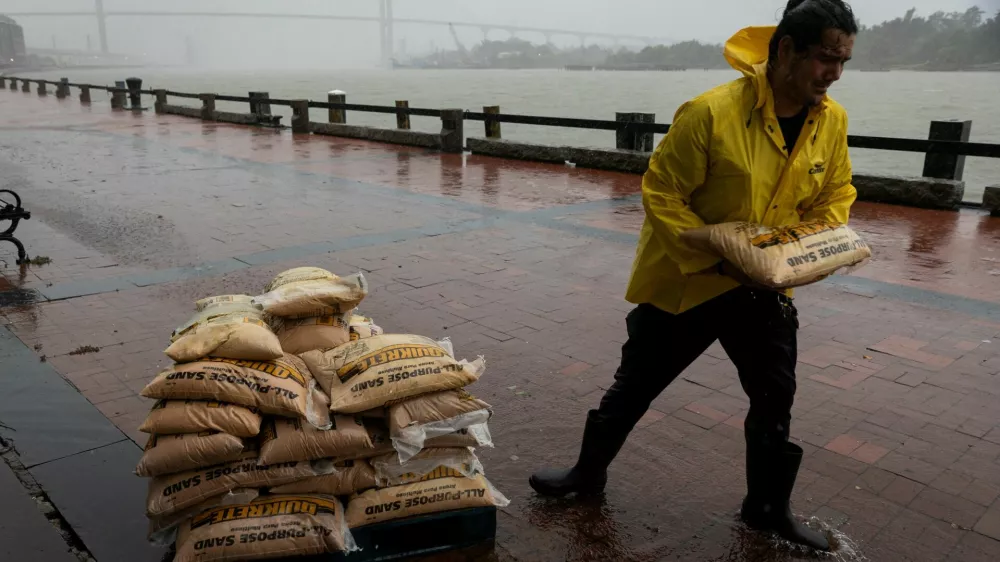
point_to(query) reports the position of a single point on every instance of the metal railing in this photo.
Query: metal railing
(632, 134)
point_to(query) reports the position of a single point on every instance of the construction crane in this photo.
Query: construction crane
(458, 44)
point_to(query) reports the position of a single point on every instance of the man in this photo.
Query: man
(769, 148)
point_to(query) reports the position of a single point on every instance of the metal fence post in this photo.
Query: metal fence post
(13, 84)
(947, 166)
(161, 100)
(337, 115)
(492, 125)
(631, 140)
(3, 83)
(402, 117)
(84, 94)
(62, 89)
(453, 130)
(41, 88)
(300, 116)
(26, 86)
(207, 106)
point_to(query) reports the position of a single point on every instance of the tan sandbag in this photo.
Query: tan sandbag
(174, 492)
(284, 440)
(310, 291)
(316, 332)
(366, 374)
(475, 436)
(168, 417)
(268, 527)
(280, 387)
(412, 422)
(429, 464)
(419, 498)
(782, 257)
(363, 327)
(351, 477)
(167, 454)
(163, 530)
(244, 301)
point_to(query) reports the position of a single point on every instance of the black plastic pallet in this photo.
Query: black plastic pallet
(424, 535)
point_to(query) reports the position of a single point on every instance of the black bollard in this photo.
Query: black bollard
(947, 166)
(134, 92)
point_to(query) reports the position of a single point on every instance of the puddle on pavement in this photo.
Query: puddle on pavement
(14, 297)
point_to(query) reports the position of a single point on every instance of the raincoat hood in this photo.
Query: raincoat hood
(747, 51)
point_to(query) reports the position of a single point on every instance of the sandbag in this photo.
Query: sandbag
(782, 257)
(243, 301)
(175, 492)
(427, 465)
(350, 477)
(282, 387)
(413, 421)
(363, 327)
(365, 374)
(163, 530)
(316, 332)
(474, 436)
(310, 291)
(224, 326)
(268, 527)
(167, 454)
(168, 417)
(419, 498)
(284, 440)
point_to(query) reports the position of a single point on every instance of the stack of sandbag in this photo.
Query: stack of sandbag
(410, 392)
(231, 379)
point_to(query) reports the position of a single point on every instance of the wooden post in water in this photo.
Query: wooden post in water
(337, 115)
(991, 200)
(258, 103)
(947, 166)
(161, 100)
(62, 88)
(402, 117)
(84, 94)
(300, 116)
(207, 106)
(453, 130)
(632, 140)
(492, 125)
(118, 95)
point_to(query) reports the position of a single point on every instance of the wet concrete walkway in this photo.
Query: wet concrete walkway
(526, 264)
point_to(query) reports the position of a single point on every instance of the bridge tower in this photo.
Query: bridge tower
(386, 35)
(101, 28)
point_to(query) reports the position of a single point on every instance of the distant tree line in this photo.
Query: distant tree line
(941, 41)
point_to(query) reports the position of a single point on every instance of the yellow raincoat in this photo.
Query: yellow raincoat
(723, 161)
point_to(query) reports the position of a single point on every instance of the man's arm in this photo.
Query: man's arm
(833, 204)
(677, 168)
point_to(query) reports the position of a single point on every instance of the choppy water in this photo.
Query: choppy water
(900, 104)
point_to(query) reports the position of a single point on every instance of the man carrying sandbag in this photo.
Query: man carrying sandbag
(769, 148)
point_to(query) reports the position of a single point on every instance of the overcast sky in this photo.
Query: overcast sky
(318, 43)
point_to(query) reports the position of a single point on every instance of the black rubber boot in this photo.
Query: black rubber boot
(770, 478)
(590, 474)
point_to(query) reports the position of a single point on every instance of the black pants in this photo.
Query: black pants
(756, 328)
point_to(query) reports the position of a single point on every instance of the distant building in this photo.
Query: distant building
(12, 50)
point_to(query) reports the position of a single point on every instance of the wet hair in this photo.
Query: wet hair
(806, 20)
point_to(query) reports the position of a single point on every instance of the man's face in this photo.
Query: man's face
(812, 72)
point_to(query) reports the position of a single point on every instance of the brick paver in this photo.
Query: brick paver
(897, 406)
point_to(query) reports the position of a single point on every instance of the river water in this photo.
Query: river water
(899, 104)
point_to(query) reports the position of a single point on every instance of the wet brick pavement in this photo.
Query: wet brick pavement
(899, 374)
